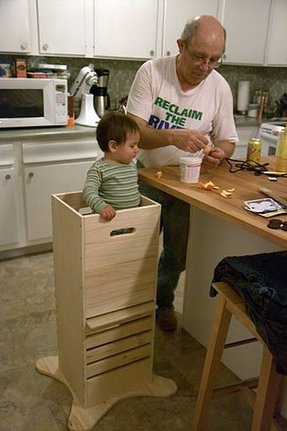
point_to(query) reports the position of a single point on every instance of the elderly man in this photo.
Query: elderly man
(182, 104)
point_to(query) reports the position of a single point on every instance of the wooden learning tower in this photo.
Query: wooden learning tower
(105, 283)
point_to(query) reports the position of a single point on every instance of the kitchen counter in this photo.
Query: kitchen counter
(43, 133)
(219, 228)
(46, 133)
(243, 121)
(231, 209)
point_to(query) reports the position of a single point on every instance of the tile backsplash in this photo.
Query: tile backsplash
(122, 72)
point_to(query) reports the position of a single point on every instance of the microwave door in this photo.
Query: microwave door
(21, 103)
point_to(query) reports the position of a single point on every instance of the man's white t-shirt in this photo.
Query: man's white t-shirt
(156, 96)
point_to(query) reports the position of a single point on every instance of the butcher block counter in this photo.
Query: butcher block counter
(221, 227)
(231, 209)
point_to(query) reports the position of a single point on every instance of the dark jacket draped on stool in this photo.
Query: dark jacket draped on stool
(261, 280)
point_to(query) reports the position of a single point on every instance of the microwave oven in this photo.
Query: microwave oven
(32, 102)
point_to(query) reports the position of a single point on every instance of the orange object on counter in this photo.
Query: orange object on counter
(71, 115)
(20, 68)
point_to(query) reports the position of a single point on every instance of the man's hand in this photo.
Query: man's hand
(214, 157)
(189, 140)
(108, 213)
(184, 139)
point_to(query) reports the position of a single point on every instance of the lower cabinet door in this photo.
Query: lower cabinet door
(41, 181)
(8, 214)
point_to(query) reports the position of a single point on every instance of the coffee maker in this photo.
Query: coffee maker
(100, 92)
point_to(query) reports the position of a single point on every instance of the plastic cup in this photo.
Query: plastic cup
(190, 169)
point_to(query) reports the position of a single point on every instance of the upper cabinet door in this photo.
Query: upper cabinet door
(125, 28)
(15, 26)
(276, 50)
(246, 24)
(177, 13)
(62, 27)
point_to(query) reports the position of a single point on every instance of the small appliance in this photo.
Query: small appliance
(32, 102)
(100, 92)
(269, 134)
(80, 89)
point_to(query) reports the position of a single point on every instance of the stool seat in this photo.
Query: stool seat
(265, 400)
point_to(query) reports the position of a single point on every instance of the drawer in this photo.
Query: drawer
(7, 155)
(44, 152)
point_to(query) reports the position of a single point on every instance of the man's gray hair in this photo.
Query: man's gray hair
(191, 28)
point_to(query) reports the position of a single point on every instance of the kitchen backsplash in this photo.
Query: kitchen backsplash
(122, 73)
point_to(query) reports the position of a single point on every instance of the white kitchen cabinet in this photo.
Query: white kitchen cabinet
(246, 24)
(177, 13)
(125, 28)
(43, 181)
(244, 134)
(15, 26)
(276, 49)
(8, 211)
(62, 27)
(48, 168)
(8, 199)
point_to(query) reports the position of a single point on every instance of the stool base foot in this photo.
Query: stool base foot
(84, 419)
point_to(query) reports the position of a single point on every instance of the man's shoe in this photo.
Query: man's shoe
(166, 319)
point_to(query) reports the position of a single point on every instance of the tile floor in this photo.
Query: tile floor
(31, 401)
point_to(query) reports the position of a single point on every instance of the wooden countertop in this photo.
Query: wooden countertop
(246, 186)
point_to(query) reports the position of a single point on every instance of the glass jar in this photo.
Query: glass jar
(281, 153)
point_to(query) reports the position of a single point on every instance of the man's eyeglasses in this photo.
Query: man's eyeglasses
(199, 60)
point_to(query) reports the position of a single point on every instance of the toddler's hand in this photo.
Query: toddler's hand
(108, 213)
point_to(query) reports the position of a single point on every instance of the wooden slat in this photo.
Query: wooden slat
(118, 381)
(67, 252)
(119, 332)
(118, 361)
(119, 317)
(119, 346)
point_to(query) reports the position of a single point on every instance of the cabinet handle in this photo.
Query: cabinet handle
(167, 52)
(24, 46)
(45, 47)
(31, 174)
(224, 57)
(7, 177)
(151, 52)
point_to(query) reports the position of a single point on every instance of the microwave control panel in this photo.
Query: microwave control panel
(61, 104)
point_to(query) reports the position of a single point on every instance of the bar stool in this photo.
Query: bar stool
(269, 384)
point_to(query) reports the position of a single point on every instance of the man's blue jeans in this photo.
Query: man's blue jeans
(175, 228)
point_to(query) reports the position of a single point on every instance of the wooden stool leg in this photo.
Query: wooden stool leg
(214, 353)
(267, 393)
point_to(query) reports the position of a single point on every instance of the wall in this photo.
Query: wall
(273, 79)
(123, 71)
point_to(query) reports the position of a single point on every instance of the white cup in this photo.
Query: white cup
(190, 169)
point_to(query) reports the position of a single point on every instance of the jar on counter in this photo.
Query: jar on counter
(281, 153)
(252, 110)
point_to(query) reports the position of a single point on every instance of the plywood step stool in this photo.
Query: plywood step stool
(105, 282)
(269, 384)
